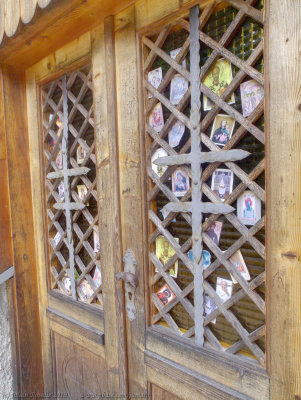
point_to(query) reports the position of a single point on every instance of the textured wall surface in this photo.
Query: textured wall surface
(6, 374)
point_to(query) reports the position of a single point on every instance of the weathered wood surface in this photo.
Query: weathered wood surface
(103, 62)
(129, 184)
(6, 251)
(283, 103)
(25, 290)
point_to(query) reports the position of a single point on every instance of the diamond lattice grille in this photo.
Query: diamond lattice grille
(230, 39)
(72, 120)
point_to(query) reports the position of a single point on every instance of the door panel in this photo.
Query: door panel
(78, 372)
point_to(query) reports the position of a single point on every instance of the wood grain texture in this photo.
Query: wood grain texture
(130, 187)
(284, 201)
(55, 25)
(78, 371)
(33, 120)
(103, 61)
(76, 325)
(26, 290)
(242, 376)
(6, 252)
(12, 16)
(161, 394)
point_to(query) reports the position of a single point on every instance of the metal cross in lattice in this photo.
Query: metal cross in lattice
(65, 173)
(196, 157)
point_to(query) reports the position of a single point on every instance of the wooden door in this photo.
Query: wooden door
(200, 323)
(82, 355)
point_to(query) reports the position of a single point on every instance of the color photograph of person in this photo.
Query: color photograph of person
(217, 80)
(214, 232)
(178, 88)
(82, 192)
(159, 169)
(165, 294)
(222, 183)
(164, 252)
(209, 307)
(80, 154)
(154, 78)
(224, 288)
(222, 129)
(206, 257)
(180, 182)
(239, 263)
(251, 94)
(176, 133)
(248, 208)
(156, 119)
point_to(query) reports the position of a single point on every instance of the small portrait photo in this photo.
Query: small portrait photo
(209, 307)
(66, 281)
(164, 252)
(80, 154)
(82, 192)
(61, 190)
(180, 182)
(174, 53)
(222, 183)
(214, 232)
(85, 291)
(217, 80)
(248, 208)
(97, 279)
(159, 169)
(206, 257)
(96, 240)
(59, 160)
(51, 144)
(224, 288)
(154, 78)
(178, 87)
(251, 94)
(165, 294)
(156, 120)
(222, 129)
(239, 263)
(176, 133)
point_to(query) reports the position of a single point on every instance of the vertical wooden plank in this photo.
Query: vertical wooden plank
(26, 291)
(284, 205)
(12, 16)
(6, 253)
(109, 213)
(27, 8)
(130, 184)
(36, 174)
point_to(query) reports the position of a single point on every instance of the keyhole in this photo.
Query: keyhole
(130, 295)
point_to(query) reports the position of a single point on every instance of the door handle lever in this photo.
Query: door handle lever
(127, 277)
(130, 279)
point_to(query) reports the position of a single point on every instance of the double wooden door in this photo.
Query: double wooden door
(116, 317)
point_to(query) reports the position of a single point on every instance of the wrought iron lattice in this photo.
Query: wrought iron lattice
(185, 221)
(71, 192)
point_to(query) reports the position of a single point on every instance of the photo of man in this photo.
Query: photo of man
(214, 232)
(217, 80)
(164, 252)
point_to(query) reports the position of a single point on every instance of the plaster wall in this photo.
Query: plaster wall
(6, 371)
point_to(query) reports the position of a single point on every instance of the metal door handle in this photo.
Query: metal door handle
(127, 277)
(130, 279)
